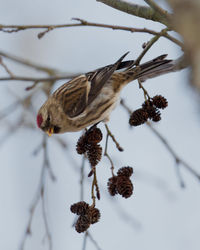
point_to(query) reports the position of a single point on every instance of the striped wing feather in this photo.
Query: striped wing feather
(80, 92)
(73, 96)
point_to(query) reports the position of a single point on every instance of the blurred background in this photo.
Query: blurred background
(161, 214)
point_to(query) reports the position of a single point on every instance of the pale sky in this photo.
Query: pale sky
(161, 214)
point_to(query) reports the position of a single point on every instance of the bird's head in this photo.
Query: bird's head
(46, 119)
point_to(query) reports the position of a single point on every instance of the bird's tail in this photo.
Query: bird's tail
(150, 69)
(155, 67)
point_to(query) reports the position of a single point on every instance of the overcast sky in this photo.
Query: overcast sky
(162, 215)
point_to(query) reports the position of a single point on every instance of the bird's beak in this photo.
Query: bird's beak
(50, 131)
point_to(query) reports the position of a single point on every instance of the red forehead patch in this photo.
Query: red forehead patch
(39, 120)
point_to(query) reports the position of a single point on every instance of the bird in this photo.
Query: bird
(90, 98)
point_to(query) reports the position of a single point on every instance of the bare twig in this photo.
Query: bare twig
(94, 185)
(38, 79)
(113, 138)
(6, 68)
(178, 159)
(122, 102)
(137, 10)
(50, 71)
(179, 176)
(149, 45)
(85, 240)
(48, 234)
(172, 152)
(158, 9)
(40, 195)
(82, 177)
(93, 240)
(108, 156)
(146, 94)
(91, 24)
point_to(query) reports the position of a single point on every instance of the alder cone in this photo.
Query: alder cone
(94, 154)
(94, 214)
(94, 136)
(160, 101)
(80, 208)
(125, 171)
(112, 185)
(81, 145)
(82, 224)
(124, 186)
(138, 117)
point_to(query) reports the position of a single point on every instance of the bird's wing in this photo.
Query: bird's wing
(78, 93)
(99, 77)
(73, 96)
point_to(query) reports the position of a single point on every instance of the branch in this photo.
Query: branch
(35, 79)
(81, 24)
(178, 159)
(40, 195)
(138, 10)
(27, 63)
(158, 9)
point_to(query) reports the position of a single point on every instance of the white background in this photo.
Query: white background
(161, 215)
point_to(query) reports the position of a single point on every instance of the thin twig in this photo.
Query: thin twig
(178, 159)
(158, 9)
(91, 24)
(93, 185)
(172, 152)
(48, 234)
(122, 102)
(113, 138)
(146, 94)
(147, 47)
(107, 155)
(6, 68)
(35, 79)
(85, 240)
(93, 240)
(82, 177)
(50, 71)
(179, 176)
(136, 10)
(39, 195)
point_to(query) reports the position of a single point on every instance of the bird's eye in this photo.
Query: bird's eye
(48, 118)
(56, 129)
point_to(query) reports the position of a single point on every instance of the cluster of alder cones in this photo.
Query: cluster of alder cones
(88, 144)
(87, 215)
(149, 110)
(121, 184)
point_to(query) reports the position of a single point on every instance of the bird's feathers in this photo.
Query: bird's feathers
(77, 94)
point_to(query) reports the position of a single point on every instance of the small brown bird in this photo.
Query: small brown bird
(90, 98)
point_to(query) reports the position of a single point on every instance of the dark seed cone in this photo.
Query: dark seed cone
(125, 171)
(94, 154)
(83, 223)
(157, 116)
(94, 136)
(151, 110)
(112, 185)
(124, 186)
(80, 208)
(138, 117)
(160, 101)
(147, 104)
(81, 145)
(94, 214)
